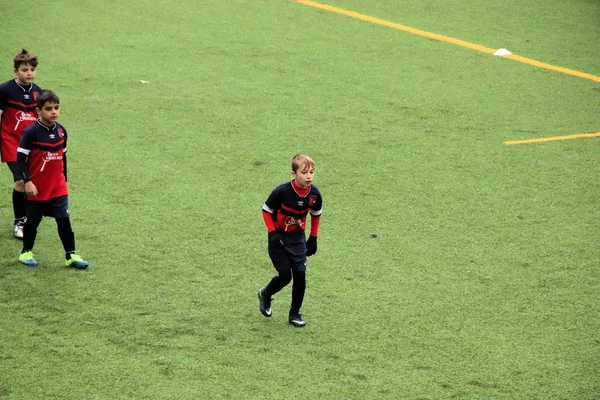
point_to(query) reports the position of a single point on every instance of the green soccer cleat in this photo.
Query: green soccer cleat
(27, 259)
(77, 262)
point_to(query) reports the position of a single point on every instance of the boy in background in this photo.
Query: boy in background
(42, 165)
(17, 112)
(284, 214)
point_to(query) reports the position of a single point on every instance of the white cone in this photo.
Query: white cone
(502, 52)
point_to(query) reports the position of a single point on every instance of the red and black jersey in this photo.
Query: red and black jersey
(45, 148)
(289, 205)
(18, 105)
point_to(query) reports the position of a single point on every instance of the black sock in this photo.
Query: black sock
(67, 237)
(30, 230)
(19, 205)
(298, 289)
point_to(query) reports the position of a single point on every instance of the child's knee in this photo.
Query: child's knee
(299, 276)
(285, 275)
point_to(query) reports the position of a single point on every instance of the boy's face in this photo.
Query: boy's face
(304, 176)
(25, 74)
(49, 113)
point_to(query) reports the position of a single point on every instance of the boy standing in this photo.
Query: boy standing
(17, 112)
(42, 165)
(284, 214)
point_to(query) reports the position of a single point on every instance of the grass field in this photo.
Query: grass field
(450, 265)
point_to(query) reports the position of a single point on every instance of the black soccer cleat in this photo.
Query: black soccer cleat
(296, 319)
(264, 303)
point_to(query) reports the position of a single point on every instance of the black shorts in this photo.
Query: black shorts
(12, 165)
(292, 256)
(57, 207)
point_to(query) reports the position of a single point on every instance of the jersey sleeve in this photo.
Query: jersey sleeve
(23, 151)
(64, 156)
(316, 209)
(65, 142)
(274, 200)
(3, 97)
(26, 143)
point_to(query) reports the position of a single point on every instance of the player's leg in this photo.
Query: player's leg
(35, 214)
(298, 290)
(281, 262)
(19, 201)
(60, 207)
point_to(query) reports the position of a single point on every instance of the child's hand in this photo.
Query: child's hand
(276, 238)
(30, 189)
(311, 246)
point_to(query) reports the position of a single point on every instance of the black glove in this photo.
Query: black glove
(311, 246)
(276, 239)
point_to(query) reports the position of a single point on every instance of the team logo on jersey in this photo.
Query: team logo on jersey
(290, 221)
(23, 116)
(52, 136)
(301, 203)
(50, 157)
(26, 96)
(35, 94)
(61, 133)
(311, 200)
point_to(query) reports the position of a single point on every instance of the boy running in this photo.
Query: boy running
(42, 165)
(284, 214)
(17, 112)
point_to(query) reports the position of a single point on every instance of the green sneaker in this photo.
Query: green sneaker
(27, 259)
(77, 262)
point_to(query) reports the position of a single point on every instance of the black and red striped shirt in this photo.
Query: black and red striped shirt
(18, 106)
(288, 205)
(45, 148)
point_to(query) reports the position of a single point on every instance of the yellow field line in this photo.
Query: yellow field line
(551, 67)
(447, 39)
(552, 139)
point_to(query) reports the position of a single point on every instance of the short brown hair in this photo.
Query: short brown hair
(25, 57)
(302, 160)
(46, 96)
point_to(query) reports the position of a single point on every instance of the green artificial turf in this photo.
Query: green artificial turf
(450, 265)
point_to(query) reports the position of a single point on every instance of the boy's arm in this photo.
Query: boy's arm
(65, 155)
(271, 206)
(2, 101)
(311, 242)
(22, 154)
(315, 216)
(22, 170)
(275, 236)
(21, 165)
(65, 165)
(268, 218)
(315, 221)
(314, 225)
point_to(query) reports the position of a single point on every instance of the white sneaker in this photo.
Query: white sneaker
(18, 228)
